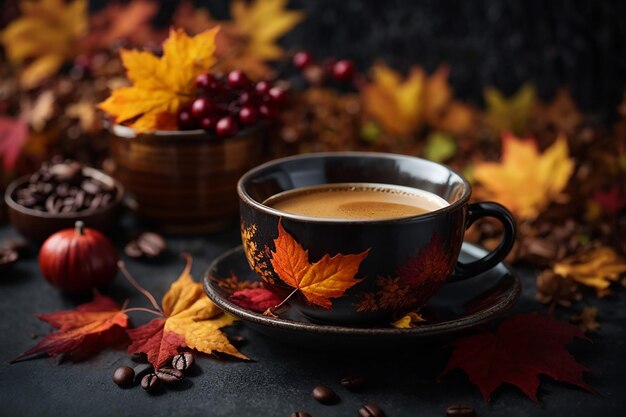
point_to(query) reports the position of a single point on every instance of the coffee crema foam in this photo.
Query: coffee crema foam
(356, 201)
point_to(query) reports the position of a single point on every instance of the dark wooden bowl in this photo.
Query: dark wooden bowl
(38, 225)
(184, 181)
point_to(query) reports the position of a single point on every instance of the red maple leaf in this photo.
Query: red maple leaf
(151, 339)
(13, 135)
(88, 329)
(255, 299)
(612, 200)
(425, 271)
(523, 347)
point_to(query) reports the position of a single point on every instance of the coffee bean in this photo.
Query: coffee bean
(324, 394)
(354, 383)
(65, 172)
(18, 245)
(150, 382)
(90, 187)
(148, 245)
(371, 410)
(124, 375)
(300, 414)
(460, 410)
(142, 370)
(7, 257)
(170, 375)
(182, 361)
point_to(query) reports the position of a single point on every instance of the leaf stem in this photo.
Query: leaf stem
(145, 310)
(276, 307)
(150, 297)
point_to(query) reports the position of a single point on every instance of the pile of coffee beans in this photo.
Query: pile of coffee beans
(151, 381)
(63, 187)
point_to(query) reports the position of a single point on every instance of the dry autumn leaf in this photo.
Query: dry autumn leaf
(523, 347)
(525, 181)
(410, 320)
(13, 136)
(255, 299)
(509, 114)
(249, 41)
(190, 320)
(161, 85)
(89, 326)
(586, 320)
(320, 281)
(596, 268)
(561, 113)
(44, 37)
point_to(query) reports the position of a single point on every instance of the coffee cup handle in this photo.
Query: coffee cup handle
(477, 211)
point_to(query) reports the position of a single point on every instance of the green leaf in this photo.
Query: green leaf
(440, 147)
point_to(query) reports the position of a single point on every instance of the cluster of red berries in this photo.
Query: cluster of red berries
(227, 103)
(341, 70)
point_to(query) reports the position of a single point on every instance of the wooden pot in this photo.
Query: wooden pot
(184, 181)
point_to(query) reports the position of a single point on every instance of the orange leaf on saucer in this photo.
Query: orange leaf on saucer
(89, 325)
(190, 320)
(161, 85)
(523, 347)
(525, 181)
(327, 278)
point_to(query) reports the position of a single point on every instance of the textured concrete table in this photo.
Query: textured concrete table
(280, 379)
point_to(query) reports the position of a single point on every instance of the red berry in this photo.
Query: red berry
(244, 98)
(185, 121)
(277, 95)
(302, 59)
(208, 123)
(267, 111)
(248, 115)
(343, 70)
(238, 79)
(226, 126)
(201, 107)
(262, 87)
(206, 81)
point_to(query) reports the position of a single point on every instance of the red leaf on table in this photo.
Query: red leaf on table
(611, 200)
(255, 299)
(156, 343)
(523, 347)
(13, 135)
(88, 328)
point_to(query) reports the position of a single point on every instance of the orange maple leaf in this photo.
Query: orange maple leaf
(86, 327)
(525, 181)
(190, 320)
(327, 278)
(161, 85)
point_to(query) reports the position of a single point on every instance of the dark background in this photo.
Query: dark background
(498, 43)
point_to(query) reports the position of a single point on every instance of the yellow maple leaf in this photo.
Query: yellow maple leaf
(525, 181)
(595, 268)
(395, 102)
(160, 86)
(561, 113)
(509, 114)
(410, 320)
(327, 278)
(249, 41)
(44, 37)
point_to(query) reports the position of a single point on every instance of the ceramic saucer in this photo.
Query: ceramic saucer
(456, 307)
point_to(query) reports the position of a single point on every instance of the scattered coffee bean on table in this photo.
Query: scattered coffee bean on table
(64, 188)
(325, 395)
(18, 245)
(124, 375)
(460, 410)
(170, 375)
(7, 257)
(147, 245)
(371, 410)
(182, 361)
(141, 370)
(300, 414)
(354, 383)
(150, 382)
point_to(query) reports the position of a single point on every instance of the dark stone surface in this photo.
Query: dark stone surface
(280, 379)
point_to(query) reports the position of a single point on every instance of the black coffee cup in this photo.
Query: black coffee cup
(361, 271)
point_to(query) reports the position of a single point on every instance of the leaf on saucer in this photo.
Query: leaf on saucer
(191, 320)
(596, 268)
(87, 328)
(161, 85)
(320, 281)
(410, 320)
(255, 299)
(523, 347)
(525, 181)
